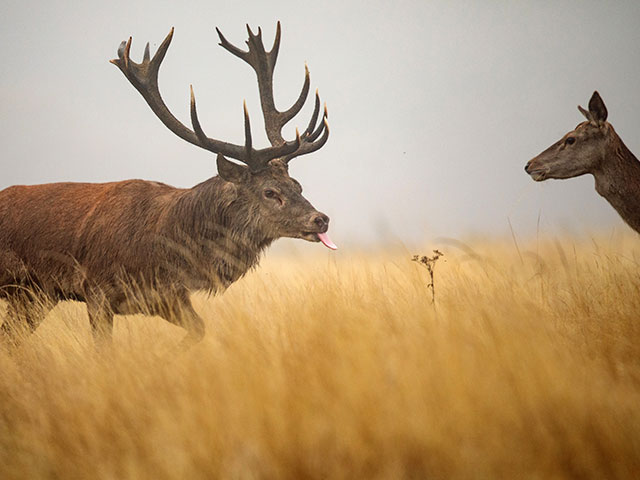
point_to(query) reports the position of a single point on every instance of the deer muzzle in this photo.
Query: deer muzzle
(537, 173)
(318, 232)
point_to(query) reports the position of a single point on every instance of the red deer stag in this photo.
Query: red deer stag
(139, 247)
(594, 147)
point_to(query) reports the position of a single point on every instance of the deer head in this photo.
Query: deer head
(263, 181)
(580, 151)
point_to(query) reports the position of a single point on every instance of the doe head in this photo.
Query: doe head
(579, 151)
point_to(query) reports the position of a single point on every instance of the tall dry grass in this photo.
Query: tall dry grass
(527, 366)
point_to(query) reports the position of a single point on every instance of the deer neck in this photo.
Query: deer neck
(618, 181)
(220, 232)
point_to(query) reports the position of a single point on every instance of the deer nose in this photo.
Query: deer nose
(322, 222)
(526, 167)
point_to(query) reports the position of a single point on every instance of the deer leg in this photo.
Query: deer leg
(25, 312)
(194, 325)
(180, 312)
(101, 320)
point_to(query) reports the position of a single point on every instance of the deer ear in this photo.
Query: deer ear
(586, 114)
(597, 109)
(231, 172)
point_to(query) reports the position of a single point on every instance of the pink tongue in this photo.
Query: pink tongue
(326, 241)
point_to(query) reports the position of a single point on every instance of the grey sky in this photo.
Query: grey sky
(434, 107)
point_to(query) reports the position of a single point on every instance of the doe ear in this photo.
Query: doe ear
(230, 171)
(597, 109)
(586, 114)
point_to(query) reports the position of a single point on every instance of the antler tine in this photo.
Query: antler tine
(309, 143)
(276, 43)
(127, 49)
(325, 136)
(302, 98)
(247, 132)
(312, 137)
(146, 56)
(231, 48)
(314, 116)
(194, 118)
(254, 35)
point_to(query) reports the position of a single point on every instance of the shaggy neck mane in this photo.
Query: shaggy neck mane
(218, 235)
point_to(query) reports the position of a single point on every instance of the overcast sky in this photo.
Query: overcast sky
(434, 107)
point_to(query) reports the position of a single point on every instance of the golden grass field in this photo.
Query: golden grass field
(338, 366)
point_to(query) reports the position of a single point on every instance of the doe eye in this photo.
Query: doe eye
(269, 193)
(570, 140)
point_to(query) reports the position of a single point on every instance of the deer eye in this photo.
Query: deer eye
(268, 193)
(570, 140)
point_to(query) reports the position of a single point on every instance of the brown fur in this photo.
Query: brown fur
(138, 246)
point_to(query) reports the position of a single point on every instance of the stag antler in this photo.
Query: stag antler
(263, 63)
(144, 77)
